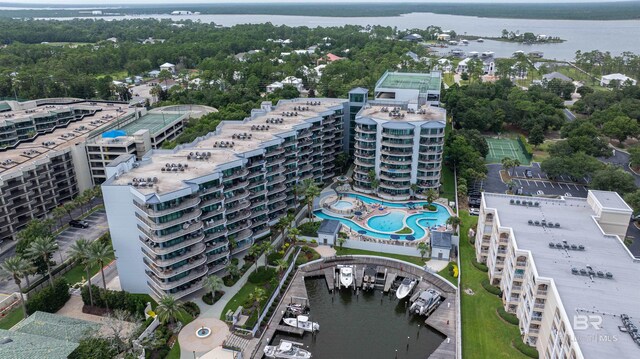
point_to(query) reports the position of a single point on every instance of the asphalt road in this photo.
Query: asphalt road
(620, 159)
(97, 227)
(538, 184)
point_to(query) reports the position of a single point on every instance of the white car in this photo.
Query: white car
(474, 212)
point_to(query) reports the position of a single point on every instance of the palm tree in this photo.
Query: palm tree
(43, 247)
(233, 270)
(281, 265)
(17, 267)
(169, 309)
(100, 253)
(213, 284)
(268, 248)
(310, 193)
(423, 247)
(507, 164)
(375, 182)
(431, 195)
(414, 189)
(80, 250)
(254, 252)
(293, 234)
(341, 240)
(454, 221)
(257, 297)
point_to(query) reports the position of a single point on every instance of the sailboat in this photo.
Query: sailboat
(286, 350)
(405, 288)
(302, 322)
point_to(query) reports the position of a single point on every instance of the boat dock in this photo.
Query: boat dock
(443, 319)
(290, 330)
(391, 277)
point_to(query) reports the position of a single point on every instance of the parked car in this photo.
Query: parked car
(474, 211)
(528, 173)
(78, 223)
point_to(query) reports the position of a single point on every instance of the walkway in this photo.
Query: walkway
(325, 251)
(190, 343)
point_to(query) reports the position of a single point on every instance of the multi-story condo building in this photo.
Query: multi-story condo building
(178, 215)
(413, 88)
(43, 154)
(564, 271)
(402, 146)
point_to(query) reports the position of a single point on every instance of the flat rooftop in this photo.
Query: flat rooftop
(261, 126)
(152, 121)
(410, 81)
(607, 297)
(60, 138)
(386, 113)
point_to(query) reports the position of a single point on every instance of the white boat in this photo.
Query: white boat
(302, 322)
(346, 276)
(286, 350)
(297, 309)
(480, 40)
(426, 302)
(405, 288)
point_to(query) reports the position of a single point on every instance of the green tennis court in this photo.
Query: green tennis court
(152, 121)
(500, 148)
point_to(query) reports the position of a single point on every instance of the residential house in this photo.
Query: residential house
(413, 38)
(621, 79)
(444, 37)
(169, 67)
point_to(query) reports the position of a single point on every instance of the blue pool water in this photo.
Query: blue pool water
(417, 222)
(390, 222)
(343, 205)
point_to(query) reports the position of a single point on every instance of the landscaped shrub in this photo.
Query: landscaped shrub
(309, 229)
(262, 275)
(483, 267)
(93, 347)
(211, 300)
(491, 288)
(508, 317)
(191, 308)
(115, 299)
(235, 261)
(307, 254)
(453, 270)
(50, 299)
(525, 349)
(274, 256)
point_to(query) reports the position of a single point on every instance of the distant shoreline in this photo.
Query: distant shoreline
(603, 11)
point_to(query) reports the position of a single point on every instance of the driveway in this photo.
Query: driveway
(620, 159)
(97, 227)
(634, 233)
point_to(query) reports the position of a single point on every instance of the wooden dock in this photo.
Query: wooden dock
(330, 278)
(443, 319)
(290, 330)
(389, 281)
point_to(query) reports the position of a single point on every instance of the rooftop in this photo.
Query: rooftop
(56, 326)
(607, 297)
(441, 239)
(387, 113)
(224, 146)
(410, 81)
(329, 226)
(154, 121)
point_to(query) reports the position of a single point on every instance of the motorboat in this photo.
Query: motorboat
(297, 309)
(480, 40)
(286, 350)
(346, 276)
(405, 287)
(369, 278)
(426, 302)
(302, 322)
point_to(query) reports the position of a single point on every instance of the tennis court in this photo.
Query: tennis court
(500, 148)
(154, 122)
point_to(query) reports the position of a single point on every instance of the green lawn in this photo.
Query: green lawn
(77, 273)
(174, 353)
(445, 274)
(349, 251)
(484, 334)
(12, 318)
(448, 184)
(241, 297)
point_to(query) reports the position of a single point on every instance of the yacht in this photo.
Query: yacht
(480, 40)
(297, 309)
(405, 288)
(426, 302)
(302, 322)
(346, 276)
(369, 278)
(286, 350)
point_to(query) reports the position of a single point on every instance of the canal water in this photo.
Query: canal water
(372, 325)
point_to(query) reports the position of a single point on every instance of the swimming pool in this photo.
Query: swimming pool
(385, 226)
(343, 205)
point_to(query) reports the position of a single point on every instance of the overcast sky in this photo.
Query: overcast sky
(131, 2)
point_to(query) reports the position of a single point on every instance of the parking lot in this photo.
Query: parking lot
(97, 227)
(537, 184)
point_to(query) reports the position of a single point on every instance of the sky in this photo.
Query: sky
(132, 2)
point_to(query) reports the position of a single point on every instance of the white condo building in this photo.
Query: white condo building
(564, 272)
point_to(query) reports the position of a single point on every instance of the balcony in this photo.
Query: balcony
(246, 214)
(538, 305)
(363, 146)
(276, 179)
(516, 288)
(407, 136)
(396, 153)
(277, 189)
(237, 174)
(365, 138)
(244, 204)
(422, 159)
(362, 163)
(168, 272)
(397, 144)
(238, 196)
(161, 285)
(186, 217)
(210, 190)
(235, 186)
(211, 201)
(198, 248)
(279, 206)
(365, 130)
(395, 186)
(275, 152)
(157, 250)
(536, 318)
(394, 179)
(188, 203)
(217, 256)
(276, 198)
(277, 161)
(541, 293)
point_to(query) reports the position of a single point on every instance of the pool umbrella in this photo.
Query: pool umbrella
(395, 236)
(410, 203)
(357, 213)
(362, 231)
(411, 238)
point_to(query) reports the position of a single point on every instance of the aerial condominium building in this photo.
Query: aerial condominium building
(401, 147)
(44, 153)
(178, 215)
(564, 272)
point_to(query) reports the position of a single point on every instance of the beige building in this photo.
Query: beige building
(564, 271)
